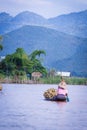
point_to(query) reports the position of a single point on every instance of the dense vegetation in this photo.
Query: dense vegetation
(19, 63)
(53, 42)
(20, 66)
(69, 80)
(1, 47)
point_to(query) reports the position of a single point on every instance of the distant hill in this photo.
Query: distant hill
(63, 38)
(5, 19)
(8, 23)
(26, 18)
(35, 37)
(76, 64)
(73, 23)
(58, 46)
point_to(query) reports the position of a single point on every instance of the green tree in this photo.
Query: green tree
(37, 53)
(20, 62)
(1, 47)
(35, 58)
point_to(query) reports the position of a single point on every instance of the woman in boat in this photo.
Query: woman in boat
(62, 92)
(62, 88)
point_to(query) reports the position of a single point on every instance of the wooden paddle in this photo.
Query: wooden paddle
(67, 98)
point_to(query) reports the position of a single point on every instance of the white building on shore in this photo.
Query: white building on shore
(64, 74)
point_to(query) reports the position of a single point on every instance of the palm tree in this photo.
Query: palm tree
(1, 47)
(37, 66)
(36, 53)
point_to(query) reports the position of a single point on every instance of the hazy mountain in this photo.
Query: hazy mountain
(77, 63)
(24, 18)
(5, 19)
(29, 18)
(58, 46)
(73, 23)
(62, 49)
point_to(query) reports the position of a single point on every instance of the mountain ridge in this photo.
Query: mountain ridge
(58, 46)
(72, 23)
(61, 43)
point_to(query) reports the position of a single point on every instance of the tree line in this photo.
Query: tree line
(20, 63)
(1, 46)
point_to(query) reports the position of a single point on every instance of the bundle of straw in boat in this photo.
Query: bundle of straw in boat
(50, 93)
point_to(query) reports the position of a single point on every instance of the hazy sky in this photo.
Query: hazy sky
(46, 8)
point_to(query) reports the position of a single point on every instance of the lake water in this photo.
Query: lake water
(23, 107)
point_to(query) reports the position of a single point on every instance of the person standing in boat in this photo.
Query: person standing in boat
(62, 88)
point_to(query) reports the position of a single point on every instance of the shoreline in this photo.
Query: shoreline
(40, 83)
(49, 80)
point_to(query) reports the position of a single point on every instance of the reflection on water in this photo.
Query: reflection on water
(23, 108)
(61, 104)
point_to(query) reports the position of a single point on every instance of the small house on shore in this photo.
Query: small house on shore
(36, 75)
